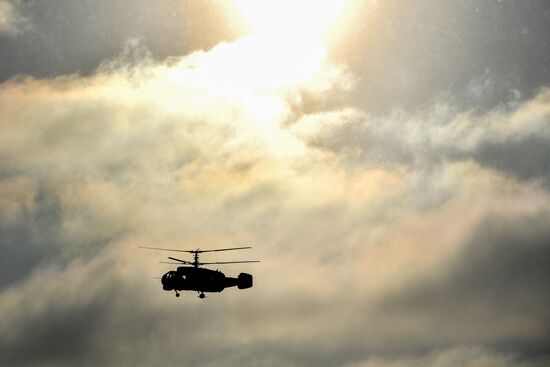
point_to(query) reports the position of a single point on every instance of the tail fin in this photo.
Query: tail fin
(244, 281)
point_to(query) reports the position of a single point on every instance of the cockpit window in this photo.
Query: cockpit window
(169, 275)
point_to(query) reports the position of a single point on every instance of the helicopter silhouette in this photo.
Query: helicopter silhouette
(195, 278)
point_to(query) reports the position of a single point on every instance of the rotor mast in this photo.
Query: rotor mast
(196, 258)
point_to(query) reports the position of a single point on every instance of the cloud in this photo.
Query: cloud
(408, 53)
(492, 290)
(462, 356)
(375, 234)
(513, 139)
(12, 21)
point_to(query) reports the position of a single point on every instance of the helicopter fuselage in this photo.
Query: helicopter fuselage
(191, 278)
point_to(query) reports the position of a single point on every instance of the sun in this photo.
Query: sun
(286, 45)
(290, 19)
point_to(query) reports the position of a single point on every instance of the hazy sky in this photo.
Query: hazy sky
(388, 160)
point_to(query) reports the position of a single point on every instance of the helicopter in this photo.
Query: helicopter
(196, 278)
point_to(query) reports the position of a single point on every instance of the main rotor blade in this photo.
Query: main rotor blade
(224, 249)
(231, 262)
(169, 262)
(181, 261)
(165, 249)
(199, 251)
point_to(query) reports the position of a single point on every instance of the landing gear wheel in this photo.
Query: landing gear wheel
(201, 296)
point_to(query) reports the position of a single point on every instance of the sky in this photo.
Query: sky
(388, 160)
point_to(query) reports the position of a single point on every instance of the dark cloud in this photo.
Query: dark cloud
(32, 236)
(527, 159)
(65, 329)
(75, 37)
(409, 53)
(40, 228)
(495, 293)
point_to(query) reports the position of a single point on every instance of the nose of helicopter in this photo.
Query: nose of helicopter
(167, 280)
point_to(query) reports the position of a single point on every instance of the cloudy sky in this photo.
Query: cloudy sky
(388, 160)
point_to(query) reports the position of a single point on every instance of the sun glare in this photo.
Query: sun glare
(256, 74)
(286, 46)
(290, 19)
